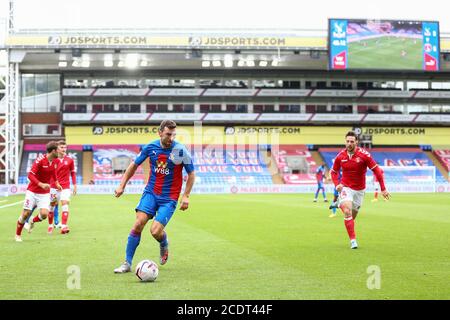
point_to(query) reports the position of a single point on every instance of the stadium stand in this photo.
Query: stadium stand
(222, 166)
(394, 157)
(213, 166)
(32, 151)
(110, 162)
(444, 158)
(296, 164)
(303, 92)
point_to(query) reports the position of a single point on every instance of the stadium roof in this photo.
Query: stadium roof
(174, 49)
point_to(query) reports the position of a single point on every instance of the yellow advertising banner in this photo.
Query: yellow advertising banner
(95, 41)
(215, 135)
(251, 135)
(445, 45)
(164, 41)
(170, 41)
(249, 41)
(408, 135)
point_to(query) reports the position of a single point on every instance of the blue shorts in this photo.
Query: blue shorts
(319, 185)
(153, 205)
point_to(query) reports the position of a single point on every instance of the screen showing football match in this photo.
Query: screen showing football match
(383, 45)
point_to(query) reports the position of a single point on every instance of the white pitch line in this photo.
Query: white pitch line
(11, 204)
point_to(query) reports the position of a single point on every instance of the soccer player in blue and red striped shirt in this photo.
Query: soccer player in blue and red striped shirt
(320, 175)
(159, 200)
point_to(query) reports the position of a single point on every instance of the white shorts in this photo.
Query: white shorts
(54, 195)
(38, 200)
(63, 195)
(355, 196)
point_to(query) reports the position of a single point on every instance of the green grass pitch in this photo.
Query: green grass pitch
(386, 53)
(237, 247)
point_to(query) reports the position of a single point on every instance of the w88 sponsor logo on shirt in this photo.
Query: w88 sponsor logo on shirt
(161, 167)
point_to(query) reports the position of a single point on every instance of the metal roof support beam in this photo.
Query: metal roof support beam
(11, 25)
(12, 141)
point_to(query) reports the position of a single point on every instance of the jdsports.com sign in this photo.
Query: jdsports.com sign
(97, 40)
(99, 130)
(395, 131)
(237, 41)
(268, 130)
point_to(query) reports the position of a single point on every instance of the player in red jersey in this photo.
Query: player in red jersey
(38, 190)
(65, 171)
(354, 162)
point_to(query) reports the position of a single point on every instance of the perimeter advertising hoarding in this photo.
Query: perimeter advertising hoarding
(236, 189)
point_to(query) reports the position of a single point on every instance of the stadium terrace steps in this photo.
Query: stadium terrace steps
(146, 167)
(88, 174)
(103, 165)
(301, 158)
(317, 157)
(441, 159)
(273, 169)
(277, 179)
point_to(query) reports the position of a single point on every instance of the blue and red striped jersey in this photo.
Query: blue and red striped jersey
(320, 173)
(166, 168)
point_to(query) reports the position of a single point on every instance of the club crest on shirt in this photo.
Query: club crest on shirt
(176, 156)
(358, 160)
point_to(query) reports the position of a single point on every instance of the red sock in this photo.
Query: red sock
(19, 228)
(65, 217)
(350, 226)
(50, 217)
(376, 195)
(37, 219)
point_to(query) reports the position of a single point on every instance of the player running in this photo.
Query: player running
(354, 162)
(64, 171)
(320, 176)
(159, 200)
(38, 190)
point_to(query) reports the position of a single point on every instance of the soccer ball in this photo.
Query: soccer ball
(147, 271)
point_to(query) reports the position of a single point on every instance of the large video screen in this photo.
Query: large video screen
(383, 45)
